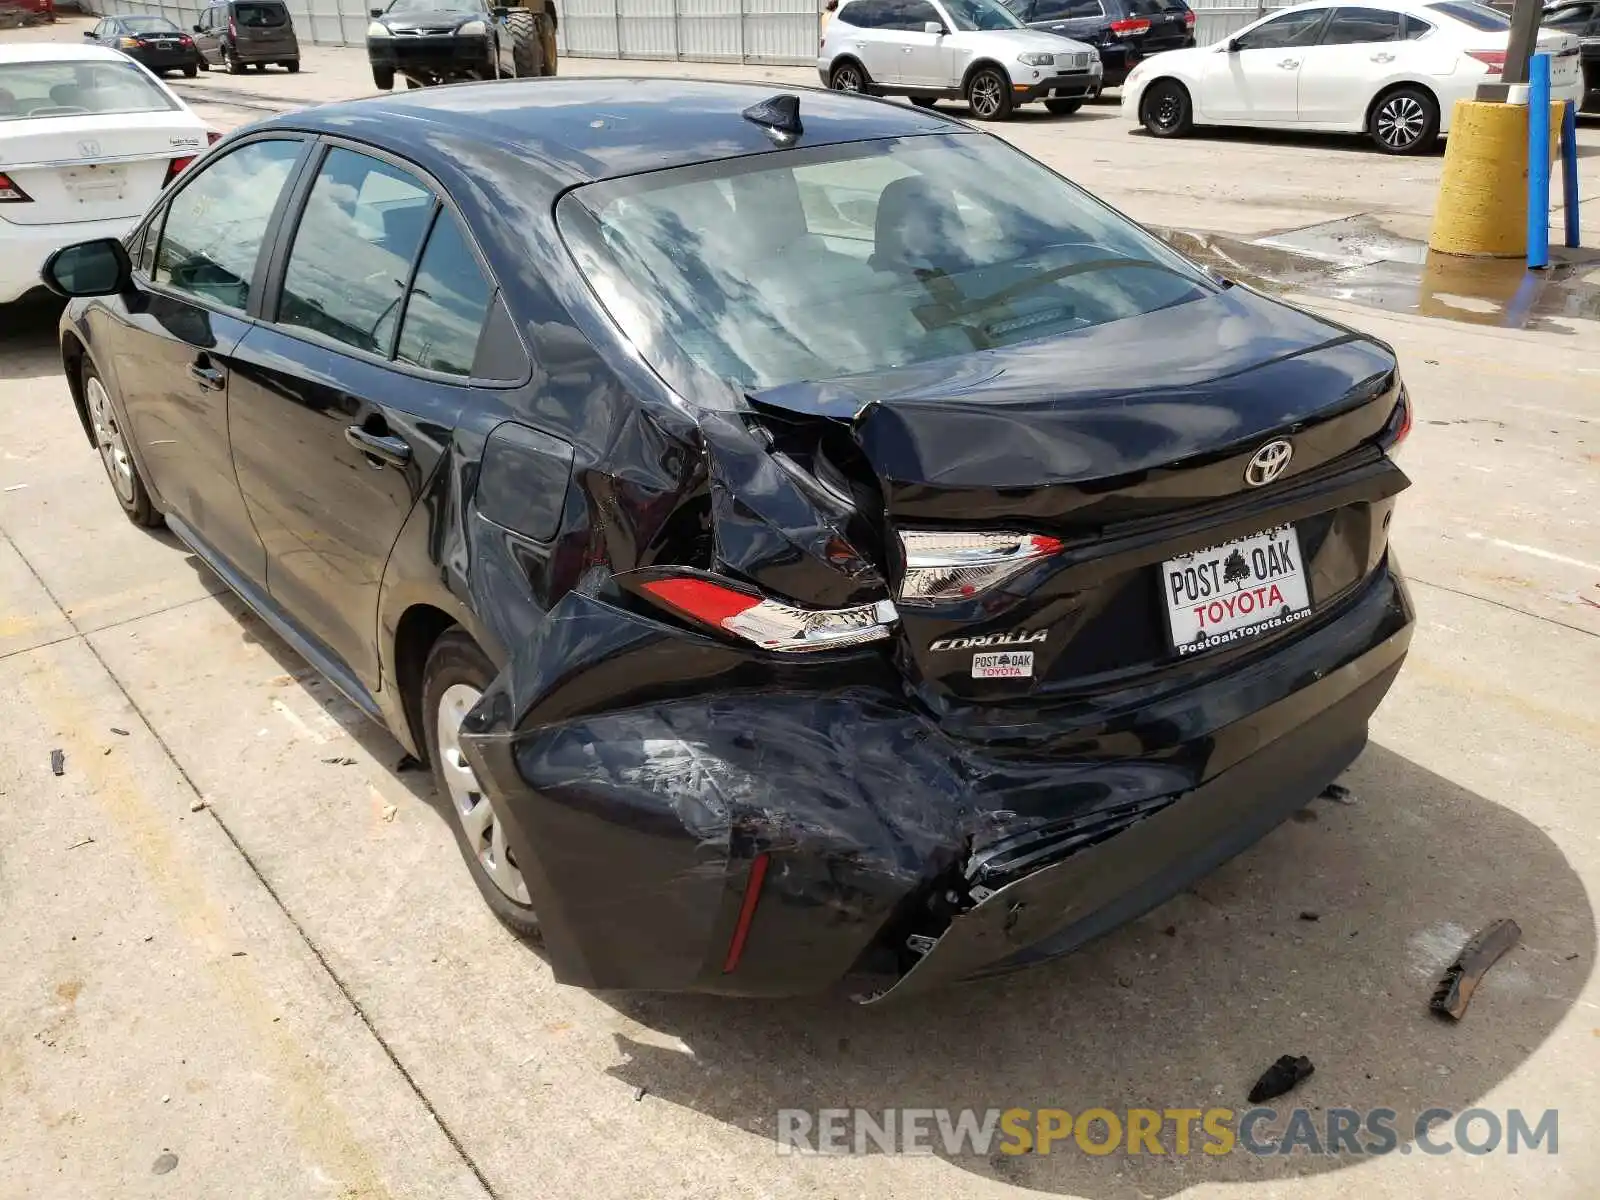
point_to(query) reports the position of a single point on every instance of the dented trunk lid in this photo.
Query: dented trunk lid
(1128, 443)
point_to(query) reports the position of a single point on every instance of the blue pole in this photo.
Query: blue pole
(1539, 161)
(1569, 170)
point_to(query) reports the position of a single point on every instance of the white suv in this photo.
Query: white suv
(952, 50)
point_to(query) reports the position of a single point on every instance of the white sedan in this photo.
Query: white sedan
(88, 138)
(1392, 69)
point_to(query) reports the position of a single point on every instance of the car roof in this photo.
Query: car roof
(28, 52)
(581, 130)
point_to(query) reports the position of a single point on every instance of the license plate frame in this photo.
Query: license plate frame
(1225, 588)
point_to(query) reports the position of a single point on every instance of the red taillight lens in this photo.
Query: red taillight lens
(1130, 27)
(10, 193)
(186, 40)
(233, 30)
(1188, 19)
(1399, 426)
(1495, 60)
(771, 624)
(175, 168)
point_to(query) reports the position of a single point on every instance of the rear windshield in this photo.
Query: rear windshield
(149, 25)
(1479, 16)
(71, 89)
(813, 264)
(260, 16)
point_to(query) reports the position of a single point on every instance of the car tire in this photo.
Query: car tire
(1404, 121)
(383, 78)
(526, 48)
(115, 456)
(190, 72)
(851, 77)
(292, 66)
(457, 674)
(204, 63)
(923, 101)
(1063, 108)
(989, 94)
(231, 61)
(1165, 109)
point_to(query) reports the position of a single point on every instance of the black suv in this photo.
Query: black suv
(1124, 31)
(1581, 17)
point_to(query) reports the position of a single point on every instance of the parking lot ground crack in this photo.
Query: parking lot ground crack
(1454, 591)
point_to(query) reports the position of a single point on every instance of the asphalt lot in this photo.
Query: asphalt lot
(296, 991)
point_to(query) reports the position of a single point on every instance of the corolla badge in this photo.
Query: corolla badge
(1267, 463)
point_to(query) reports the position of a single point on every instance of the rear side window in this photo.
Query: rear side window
(215, 225)
(1415, 27)
(1478, 16)
(353, 250)
(912, 15)
(1356, 25)
(76, 89)
(260, 16)
(865, 14)
(447, 305)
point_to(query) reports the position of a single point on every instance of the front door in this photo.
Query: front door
(173, 360)
(1255, 78)
(925, 58)
(206, 37)
(340, 405)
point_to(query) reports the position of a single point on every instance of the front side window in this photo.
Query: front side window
(216, 224)
(971, 15)
(1291, 29)
(1351, 26)
(78, 88)
(448, 303)
(353, 249)
(814, 264)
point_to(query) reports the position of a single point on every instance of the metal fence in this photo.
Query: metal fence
(738, 31)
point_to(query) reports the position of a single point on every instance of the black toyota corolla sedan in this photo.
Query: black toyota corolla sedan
(811, 542)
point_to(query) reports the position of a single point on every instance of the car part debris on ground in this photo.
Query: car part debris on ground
(1280, 1077)
(1461, 978)
(58, 762)
(1338, 793)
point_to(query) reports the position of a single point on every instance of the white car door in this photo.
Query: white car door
(864, 29)
(925, 57)
(1360, 49)
(1254, 77)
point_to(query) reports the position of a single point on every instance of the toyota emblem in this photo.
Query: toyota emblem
(1267, 463)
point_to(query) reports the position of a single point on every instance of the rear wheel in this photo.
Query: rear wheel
(231, 61)
(112, 444)
(989, 94)
(292, 66)
(1165, 110)
(452, 683)
(1063, 108)
(191, 71)
(1406, 121)
(848, 77)
(383, 78)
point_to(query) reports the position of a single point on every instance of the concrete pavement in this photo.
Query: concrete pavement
(295, 990)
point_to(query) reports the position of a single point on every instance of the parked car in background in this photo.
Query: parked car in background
(241, 33)
(1581, 18)
(153, 42)
(1124, 31)
(87, 140)
(1393, 69)
(972, 50)
(428, 42)
(809, 540)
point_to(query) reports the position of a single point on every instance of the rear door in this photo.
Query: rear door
(1258, 80)
(868, 34)
(173, 360)
(346, 400)
(1359, 50)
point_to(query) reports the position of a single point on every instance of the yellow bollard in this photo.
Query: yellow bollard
(1483, 195)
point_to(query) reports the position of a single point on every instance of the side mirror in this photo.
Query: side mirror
(375, 13)
(501, 13)
(1233, 45)
(197, 29)
(97, 268)
(934, 27)
(88, 33)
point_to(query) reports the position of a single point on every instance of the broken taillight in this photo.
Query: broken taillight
(176, 167)
(955, 566)
(10, 193)
(769, 623)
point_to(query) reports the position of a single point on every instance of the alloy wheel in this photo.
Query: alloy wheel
(1401, 121)
(109, 441)
(847, 79)
(985, 96)
(486, 832)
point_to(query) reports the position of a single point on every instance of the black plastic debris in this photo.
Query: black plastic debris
(340, 761)
(1338, 793)
(640, 1093)
(119, 732)
(1307, 915)
(1280, 1077)
(1461, 978)
(58, 762)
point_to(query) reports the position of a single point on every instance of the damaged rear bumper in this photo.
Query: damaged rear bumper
(644, 772)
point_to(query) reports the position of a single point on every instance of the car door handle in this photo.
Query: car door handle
(385, 446)
(1287, 63)
(1383, 58)
(210, 378)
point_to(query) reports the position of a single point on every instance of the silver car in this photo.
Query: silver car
(974, 50)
